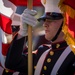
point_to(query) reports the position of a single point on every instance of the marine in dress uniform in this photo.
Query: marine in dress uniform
(55, 58)
(14, 26)
(15, 29)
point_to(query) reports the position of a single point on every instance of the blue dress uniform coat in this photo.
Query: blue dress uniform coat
(52, 59)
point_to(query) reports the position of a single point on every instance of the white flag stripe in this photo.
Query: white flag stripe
(6, 38)
(6, 8)
(2, 58)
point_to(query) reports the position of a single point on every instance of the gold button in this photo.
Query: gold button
(48, 60)
(6, 70)
(45, 68)
(57, 45)
(34, 67)
(51, 53)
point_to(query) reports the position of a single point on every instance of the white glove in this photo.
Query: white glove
(27, 18)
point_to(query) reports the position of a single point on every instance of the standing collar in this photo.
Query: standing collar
(59, 45)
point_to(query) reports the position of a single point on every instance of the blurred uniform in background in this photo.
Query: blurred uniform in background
(15, 29)
(15, 26)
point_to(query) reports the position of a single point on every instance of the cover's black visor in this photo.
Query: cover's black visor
(51, 16)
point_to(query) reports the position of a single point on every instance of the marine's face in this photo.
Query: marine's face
(51, 27)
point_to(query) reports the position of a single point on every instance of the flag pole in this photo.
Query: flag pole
(30, 62)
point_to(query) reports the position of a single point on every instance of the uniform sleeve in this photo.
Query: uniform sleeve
(15, 60)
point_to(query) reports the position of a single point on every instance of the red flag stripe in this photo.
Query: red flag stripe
(5, 48)
(5, 23)
(24, 2)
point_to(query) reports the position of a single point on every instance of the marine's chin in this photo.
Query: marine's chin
(48, 38)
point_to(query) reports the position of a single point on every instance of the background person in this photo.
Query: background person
(15, 29)
(7, 14)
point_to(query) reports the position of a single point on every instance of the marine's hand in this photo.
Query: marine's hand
(28, 17)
